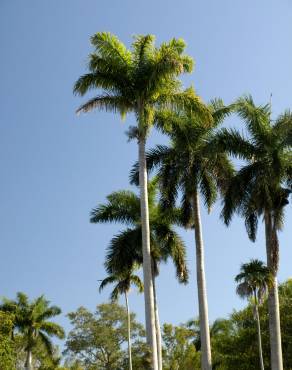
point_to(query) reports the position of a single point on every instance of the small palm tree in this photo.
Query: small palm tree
(138, 81)
(261, 189)
(191, 164)
(125, 250)
(254, 280)
(31, 321)
(123, 281)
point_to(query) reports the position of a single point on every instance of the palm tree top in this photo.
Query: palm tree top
(123, 282)
(138, 79)
(261, 184)
(32, 319)
(254, 279)
(125, 248)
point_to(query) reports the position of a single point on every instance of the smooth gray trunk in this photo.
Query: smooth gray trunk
(273, 299)
(129, 332)
(147, 274)
(158, 329)
(28, 362)
(259, 337)
(202, 291)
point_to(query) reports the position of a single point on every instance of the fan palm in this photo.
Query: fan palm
(138, 81)
(258, 189)
(125, 249)
(254, 280)
(123, 281)
(31, 321)
(191, 164)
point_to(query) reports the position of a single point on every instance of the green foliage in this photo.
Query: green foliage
(97, 339)
(7, 347)
(235, 344)
(179, 350)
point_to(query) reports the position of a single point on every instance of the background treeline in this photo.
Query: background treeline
(97, 341)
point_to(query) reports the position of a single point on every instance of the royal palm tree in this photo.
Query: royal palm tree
(139, 80)
(31, 321)
(125, 249)
(123, 282)
(192, 165)
(253, 281)
(258, 189)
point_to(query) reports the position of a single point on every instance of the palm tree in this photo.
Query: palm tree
(123, 281)
(254, 280)
(258, 189)
(31, 321)
(139, 80)
(191, 164)
(125, 249)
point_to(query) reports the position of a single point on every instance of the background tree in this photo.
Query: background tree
(254, 280)
(258, 189)
(125, 250)
(97, 339)
(139, 80)
(123, 282)
(193, 166)
(179, 349)
(7, 347)
(31, 321)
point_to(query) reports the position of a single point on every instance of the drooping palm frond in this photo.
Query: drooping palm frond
(122, 206)
(107, 102)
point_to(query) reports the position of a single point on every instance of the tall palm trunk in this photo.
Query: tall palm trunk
(201, 283)
(129, 332)
(147, 274)
(28, 362)
(259, 335)
(157, 326)
(273, 299)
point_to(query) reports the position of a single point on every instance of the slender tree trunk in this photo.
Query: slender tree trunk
(202, 291)
(273, 299)
(147, 274)
(28, 362)
(259, 337)
(158, 329)
(129, 332)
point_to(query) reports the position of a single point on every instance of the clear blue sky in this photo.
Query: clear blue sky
(56, 166)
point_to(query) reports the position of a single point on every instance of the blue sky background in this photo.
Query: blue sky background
(56, 166)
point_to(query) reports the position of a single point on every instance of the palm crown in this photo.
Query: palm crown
(137, 80)
(259, 186)
(125, 249)
(123, 282)
(31, 320)
(254, 280)
(190, 163)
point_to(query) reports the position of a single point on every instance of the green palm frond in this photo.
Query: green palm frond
(110, 47)
(235, 144)
(107, 102)
(45, 340)
(108, 280)
(124, 250)
(52, 329)
(137, 282)
(122, 206)
(256, 118)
